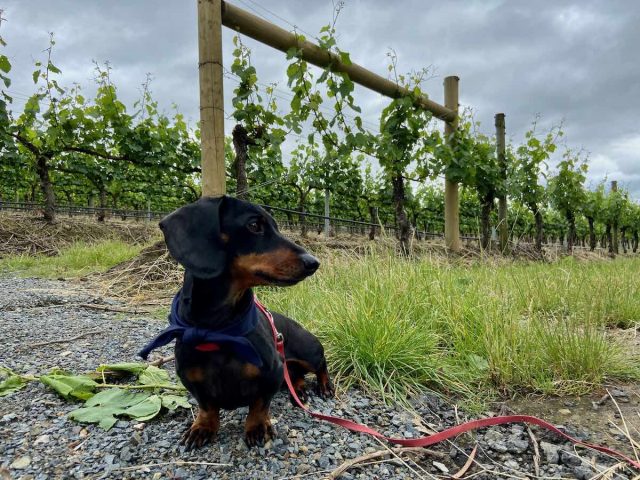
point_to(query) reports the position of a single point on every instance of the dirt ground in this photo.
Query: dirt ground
(610, 416)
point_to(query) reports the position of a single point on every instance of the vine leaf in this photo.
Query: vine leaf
(5, 64)
(134, 368)
(145, 410)
(478, 362)
(78, 386)
(103, 407)
(345, 59)
(153, 375)
(171, 402)
(11, 384)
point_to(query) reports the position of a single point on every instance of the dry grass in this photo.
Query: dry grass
(153, 276)
(29, 235)
(149, 278)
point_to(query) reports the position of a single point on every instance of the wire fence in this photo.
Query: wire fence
(288, 219)
(76, 210)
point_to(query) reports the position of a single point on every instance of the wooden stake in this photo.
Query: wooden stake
(252, 26)
(614, 242)
(451, 195)
(503, 227)
(211, 97)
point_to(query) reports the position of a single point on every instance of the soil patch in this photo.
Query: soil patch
(602, 415)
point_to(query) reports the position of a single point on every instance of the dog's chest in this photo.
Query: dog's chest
(220, 378)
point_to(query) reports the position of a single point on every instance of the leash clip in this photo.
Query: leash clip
(279, 338)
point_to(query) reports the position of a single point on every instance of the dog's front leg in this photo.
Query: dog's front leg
(204, 428)
(258, 427)
(325, 386)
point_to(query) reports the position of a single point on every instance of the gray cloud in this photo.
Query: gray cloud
(572, 61)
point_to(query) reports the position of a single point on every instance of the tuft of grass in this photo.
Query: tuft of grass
(402, 326)
(74, 261)
(160, 313)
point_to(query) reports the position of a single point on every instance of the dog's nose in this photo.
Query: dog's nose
(310, 262)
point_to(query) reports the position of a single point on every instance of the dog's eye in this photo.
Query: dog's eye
(255, 227)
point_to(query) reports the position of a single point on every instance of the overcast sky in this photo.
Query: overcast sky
(572, 61)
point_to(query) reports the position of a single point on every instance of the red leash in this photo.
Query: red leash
(436, 437)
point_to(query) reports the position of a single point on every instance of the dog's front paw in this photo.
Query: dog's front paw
(258, 434)
(203, 430)
(197, 436)
(326, 390)
(302, 394)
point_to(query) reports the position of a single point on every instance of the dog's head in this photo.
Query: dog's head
(217, 235)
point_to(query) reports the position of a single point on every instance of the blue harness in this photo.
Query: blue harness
(234, 335)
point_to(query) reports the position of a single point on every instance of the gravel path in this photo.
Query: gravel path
(37, 441)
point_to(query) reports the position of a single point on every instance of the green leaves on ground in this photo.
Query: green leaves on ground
(171, 402)
(10, 382)
(78, 386)
(154, 376)
(134, 368)
(103, 407)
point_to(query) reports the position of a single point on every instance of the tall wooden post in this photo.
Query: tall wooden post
(503, 226)
(211, 96)
(614, 242)
(451, 194)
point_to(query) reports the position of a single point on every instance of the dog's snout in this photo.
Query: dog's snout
(310, 262)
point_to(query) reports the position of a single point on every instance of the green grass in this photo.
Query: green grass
(77, 260)
(399, 326)
(472, 331)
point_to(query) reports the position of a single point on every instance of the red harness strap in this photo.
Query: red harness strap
(436, 437)
(208, 347)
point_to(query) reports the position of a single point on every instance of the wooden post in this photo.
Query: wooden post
(211, 96)
(503, 226)
(241, 21)
(451, 194)
(614, 242)
(327, 226)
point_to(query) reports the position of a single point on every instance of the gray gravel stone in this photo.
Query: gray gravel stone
(33, 421)
(570, 458)
(551, 452)
(583, 472)
(517, 443)
(496, 441)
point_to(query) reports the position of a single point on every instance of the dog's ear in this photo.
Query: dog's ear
(192, 234)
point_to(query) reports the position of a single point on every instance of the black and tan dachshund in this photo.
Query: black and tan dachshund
(225, 352)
